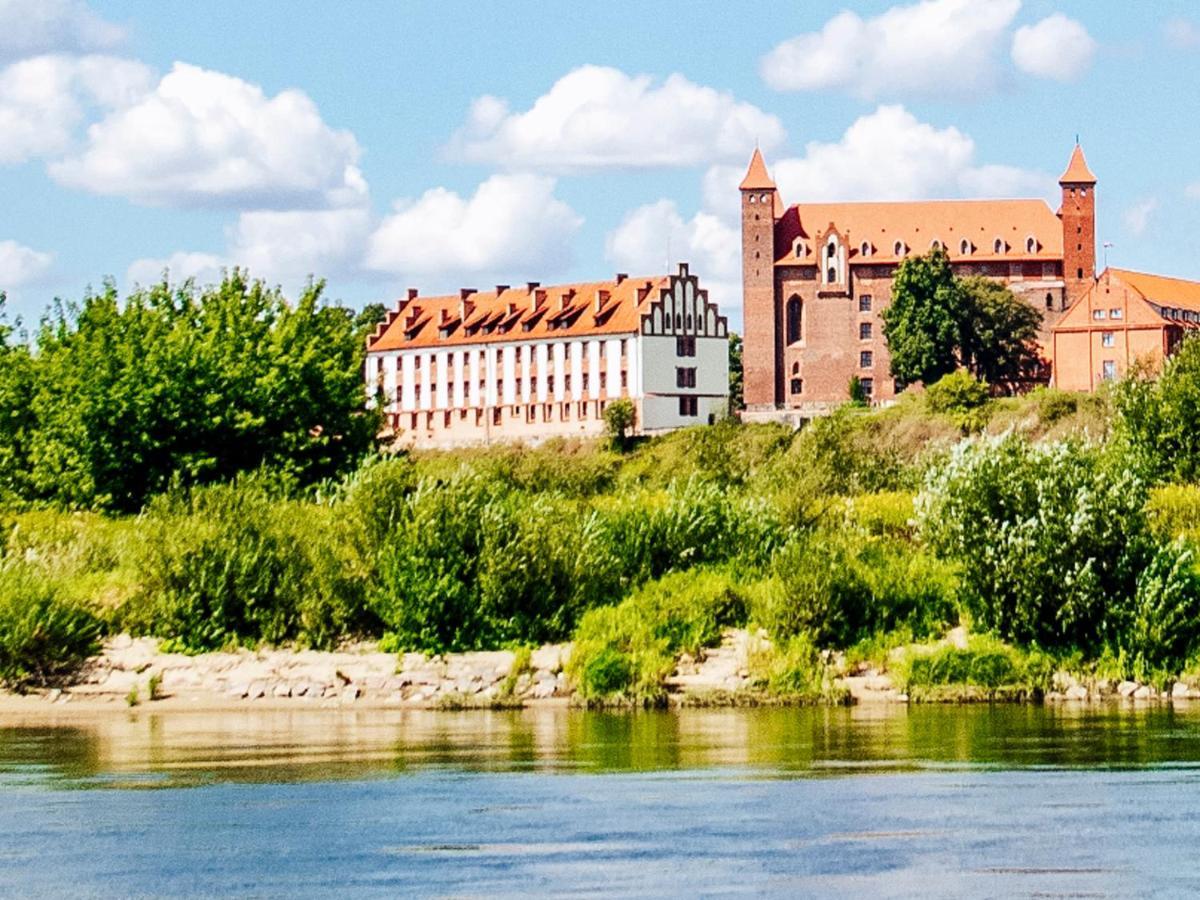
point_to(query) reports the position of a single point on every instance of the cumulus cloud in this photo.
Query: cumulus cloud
(204, 268)
(44, 99)
(1181, 33)
(35, 27)
(643, 240)
(935, 47)
(511, 224)
(1137, 217)
(596, 117)
(21, 265)
(1056, 47)
(203, 138)
(288, 246)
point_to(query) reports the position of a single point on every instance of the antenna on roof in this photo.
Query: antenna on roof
(668, 269)
(1107, 244)
(1077, 139)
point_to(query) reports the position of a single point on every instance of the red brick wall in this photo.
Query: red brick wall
(762, 369)
(1079, 239)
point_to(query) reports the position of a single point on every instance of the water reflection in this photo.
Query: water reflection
(179, 748)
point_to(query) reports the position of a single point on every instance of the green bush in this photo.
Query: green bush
(1162, 630)
(962, 397)
(1054, 405)
(625, 652)
(1049, 539)
(887, 513)
(43, 636)
(984, 663)
(792, 669)
(1173, 510)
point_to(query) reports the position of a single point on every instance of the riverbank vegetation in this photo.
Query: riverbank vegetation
(1059, 529)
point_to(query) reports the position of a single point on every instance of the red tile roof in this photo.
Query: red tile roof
(1077, 170)
(756, 176)
(1175, 293)
(918, 223)
(521, 313)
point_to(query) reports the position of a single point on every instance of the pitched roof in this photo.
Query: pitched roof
(519, 313)
(1077, 170)
(756, 175)
(917, 224)
(1173, 293)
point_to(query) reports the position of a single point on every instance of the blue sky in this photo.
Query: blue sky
(440, 145)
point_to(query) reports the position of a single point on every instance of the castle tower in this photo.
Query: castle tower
(762, 348)
(1079, 227)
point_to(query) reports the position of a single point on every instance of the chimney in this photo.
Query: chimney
(464, 293)
(531, 285)
(501, 288)
(510, 307)
(683, 270)
(643, 292)
(443, 317)
(537, 299)
(621, 276)
(412, 293)
(601, 298)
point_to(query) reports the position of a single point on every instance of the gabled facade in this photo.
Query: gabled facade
(816, 277)
(1124, 318)
(528, 363)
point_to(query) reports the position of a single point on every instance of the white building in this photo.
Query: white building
(535, 362)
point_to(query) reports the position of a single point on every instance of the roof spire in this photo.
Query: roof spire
(1077, 169)
(757, 178)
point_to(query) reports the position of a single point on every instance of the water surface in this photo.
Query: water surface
(879, 802)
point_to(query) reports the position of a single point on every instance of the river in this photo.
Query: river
(867, 801)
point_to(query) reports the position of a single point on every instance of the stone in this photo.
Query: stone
(1076, 692)
(256, 689)
(54, 695)
(543, 689)
(302, 689)
(349, 693)
(239, 689)
(1145, 692)
(1180, 691)
(1127, 688)
(283, 689)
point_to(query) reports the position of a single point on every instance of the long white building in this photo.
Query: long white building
(532, 362)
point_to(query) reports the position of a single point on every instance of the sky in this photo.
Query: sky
(383, 145)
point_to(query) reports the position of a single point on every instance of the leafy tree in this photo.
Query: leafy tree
(16, 422)
(922, 323)
(367, 318)
(619, 418)
(1158, 419)
(937, 323)
(194, 385)
(736, 396)
(858, 393)
(997, 334)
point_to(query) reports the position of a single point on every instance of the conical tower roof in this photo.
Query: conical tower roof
(756, 176)
(1077, 170)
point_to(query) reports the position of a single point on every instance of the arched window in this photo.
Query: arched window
(831, 275)
(1049, 301)
(964, 247)
(795, 309)
(1031, 244)
(1079, 274)
(765, 198)
(865, 249)
(753, 199)
(998, 246)
(801, 249)
(831, 251)
(935, 244)
(898, 248)
(795, 368)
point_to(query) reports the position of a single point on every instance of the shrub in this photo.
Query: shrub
(792, 669)
(1158, 416)
(984, 663)
(962, 397)
(625, 652)
(43, 636)
(1173, 510)
(1048, 539)
(1054, 405)
(887, 513)
(1163, 628)
(619, 418)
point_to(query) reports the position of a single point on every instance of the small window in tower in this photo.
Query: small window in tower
(1083, 192)
(864, 331)
(765, 198)
(753, 199)
(1079, 273)
(797, 386)
(864, 303)
(1049, 301)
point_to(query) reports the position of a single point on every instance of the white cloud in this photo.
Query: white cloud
(1056, 47)
(641, 244)
(21, 265)
(287, 247)
(596, 117)
(204, 268)
(890, 155)
(1137, 217)
(1181, 33)
(44, 99)
(203, 138)
(512, 224)
(935, 47)
(34, 27)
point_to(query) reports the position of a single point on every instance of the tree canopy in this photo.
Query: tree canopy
(937, 323)
(118, 398)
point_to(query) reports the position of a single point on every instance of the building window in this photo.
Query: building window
(866, 359)
(1108, 339)
(685, 377)
(1108, 370)
(797, 386)
(831, 275)
(624, 379)
(550, 383)
(864, 303)
(603, 381)
(898, 248)
(864, 331)
(868, 387)
(1031, 244)
(998, 246)
(688, 406)
(1097, 314)
(1049, 301)
(689, 322)
(1079, 274)
(936, 244)
(865, 249)
(567, 383)
(1115, 313)
(685, 346)
(795, 309)
(964, 247)
(678, 321)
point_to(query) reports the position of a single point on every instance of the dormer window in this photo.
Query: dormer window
(935, 244)
(898, 249)
(801, 249)
(998, 246)
(1031, 244)
(865, 249)
(964, 247)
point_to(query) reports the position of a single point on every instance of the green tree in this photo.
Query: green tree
(1158, 418)
(858, 393)
(997, 334)
(194, 385)
(922, 324)
(619, 418)
(736, 396)
(16, 421)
